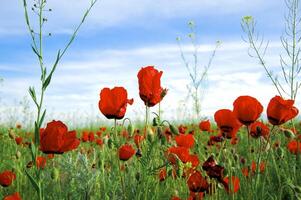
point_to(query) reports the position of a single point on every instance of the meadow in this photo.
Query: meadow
(248, 151)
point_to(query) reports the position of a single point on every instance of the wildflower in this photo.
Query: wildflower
(18, 140)
(6, 178)
(150, 89)
(181, 152)
(125, 152)
(186, 141)
(138, 139)
(280, 111)
(247, 109)
(258, 129)
(113, 102)
(41, 162)
(234, 184)
(15, 196)
(227, 122)
(162, 174)
(205, 125)
(294, 147)
(197, 183)
(56, 139)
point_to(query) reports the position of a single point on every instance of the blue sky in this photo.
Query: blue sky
(119, 38)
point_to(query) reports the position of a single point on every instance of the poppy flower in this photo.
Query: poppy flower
(293, 147)
(175, 198)
(214, 139)
(205, 125)
(247, 109)
(196, 196)
(162, 174)
(194, 160)
(245, 171)
(254, 166)
(280, 111)
(41, 162)
(212, 169)
(56, 139)
(138, 139)
(85, 136)
(186, 141)
(125, 152)
(227, 122)
(15, 196)
(197, 183)
(113, 102)
(181, 152)
(234, 184)
(258, 129)
(6, 178)
(150, 89)
(99, 142)
(182, 129)
(18, 140)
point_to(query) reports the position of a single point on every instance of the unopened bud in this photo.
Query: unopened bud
(55, 174)
(173, 129)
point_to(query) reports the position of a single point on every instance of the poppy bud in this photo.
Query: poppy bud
(18, 155)
(288, 133)
(173, 129)
(130, 129)
(11, 134)
(55, 174)
(279, 153)
(110, 143)
(156, 121)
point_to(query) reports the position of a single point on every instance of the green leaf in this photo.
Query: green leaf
(42, 118)
(32, 93)
(33, 181)
(48, 79)
(35, 51)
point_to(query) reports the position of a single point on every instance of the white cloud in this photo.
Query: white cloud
(77, 83)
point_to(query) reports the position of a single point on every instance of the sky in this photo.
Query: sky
(120, 37)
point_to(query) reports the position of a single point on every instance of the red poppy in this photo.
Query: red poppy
(196, 196)
(150, 89)
(183, 140)
(125, 152)
(15, 196)
(197, 183)
(85, 136)
(293, 147)
(212, 169)
(247, 109)
(254, 166)
(41, 162)
(245, 171)
(182, 129)
(258, 129)
(175, 198)
(162, 174)
(91, 136)
(18, 140)
(205, 125)
(113, 102)
(56, 139)
(280, 111)
(6, 178)
(194, 160)
(99, 142)
(214, 139)
(234, 184)
(181, 152)
(138, 139)
(227, 122)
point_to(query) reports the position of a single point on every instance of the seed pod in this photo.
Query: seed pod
(173, 129)
(279, 153)
(288, 133)
(130, 129)
(55, 173)
(18, 155)
(156, 121)
(11, 134)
